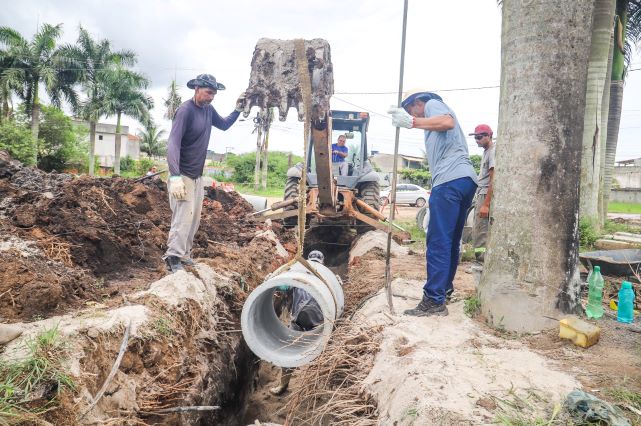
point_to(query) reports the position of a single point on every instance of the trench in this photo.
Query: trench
(335, 243)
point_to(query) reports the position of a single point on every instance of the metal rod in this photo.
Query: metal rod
(149, 176)
(388, 275)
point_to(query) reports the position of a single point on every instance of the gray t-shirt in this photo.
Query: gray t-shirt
(487, 163)
(189, 137)
(447, 153)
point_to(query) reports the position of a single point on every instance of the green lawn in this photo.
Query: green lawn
(615, 207)
(271, 191)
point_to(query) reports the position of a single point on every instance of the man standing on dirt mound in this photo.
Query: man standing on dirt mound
(453, 187)
(186, 153)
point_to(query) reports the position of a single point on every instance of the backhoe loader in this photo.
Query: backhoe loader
(299, 74)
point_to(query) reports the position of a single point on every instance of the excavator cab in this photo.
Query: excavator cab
(353, 125)
(348, 196)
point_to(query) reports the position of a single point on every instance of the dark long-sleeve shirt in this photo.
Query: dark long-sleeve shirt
(189, 137)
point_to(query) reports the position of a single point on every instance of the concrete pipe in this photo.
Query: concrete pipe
(257, 202)
(272, 340)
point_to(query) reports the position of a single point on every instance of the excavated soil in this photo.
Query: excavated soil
(65, 241)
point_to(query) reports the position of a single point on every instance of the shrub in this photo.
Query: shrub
(16, 139)
(127, 164)
(277, 165)
(587, 233)
(419, 177)
(60, 143)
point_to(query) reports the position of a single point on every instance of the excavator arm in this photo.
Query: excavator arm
(283, 74)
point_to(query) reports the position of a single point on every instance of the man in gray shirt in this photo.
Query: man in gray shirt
(453, 187)
(186, 153)
(483, 136)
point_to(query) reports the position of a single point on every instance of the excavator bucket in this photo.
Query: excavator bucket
(275, 80)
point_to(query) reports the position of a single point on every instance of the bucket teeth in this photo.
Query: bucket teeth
(274, 80)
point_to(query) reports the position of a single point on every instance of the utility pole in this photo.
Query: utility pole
(266, 125)
(258, 128)
(289, 161)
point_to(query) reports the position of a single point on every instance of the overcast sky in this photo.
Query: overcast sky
(452, 47)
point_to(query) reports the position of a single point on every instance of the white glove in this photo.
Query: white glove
(177, 187)
(240, 103)
(400, 118)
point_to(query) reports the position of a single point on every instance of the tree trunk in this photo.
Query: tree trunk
(616, 101)
(265, 158)
(597, 76)
(92, 147)
(117, 147)
(614, 119)
(35, 124)
(531, 265)
(605, 113)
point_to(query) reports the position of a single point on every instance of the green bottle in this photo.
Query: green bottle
(594, 309)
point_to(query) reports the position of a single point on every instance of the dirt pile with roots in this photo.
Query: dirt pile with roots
(67, 240)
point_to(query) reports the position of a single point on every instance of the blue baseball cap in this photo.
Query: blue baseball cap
(424, 96)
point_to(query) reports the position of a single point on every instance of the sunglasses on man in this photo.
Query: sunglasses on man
(480, 136)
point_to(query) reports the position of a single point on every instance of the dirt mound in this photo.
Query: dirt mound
(92, 232)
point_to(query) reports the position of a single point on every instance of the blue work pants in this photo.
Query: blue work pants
(449, 204)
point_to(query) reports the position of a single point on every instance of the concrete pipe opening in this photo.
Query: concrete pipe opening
(272, 340)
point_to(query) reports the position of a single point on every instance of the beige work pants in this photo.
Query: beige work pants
(480, 229)
(185, 219)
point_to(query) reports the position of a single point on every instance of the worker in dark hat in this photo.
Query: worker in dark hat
(453, 187)
(186, 153)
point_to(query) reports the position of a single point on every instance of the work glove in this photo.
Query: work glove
(177, 187)
(240, 103)
(400, 118)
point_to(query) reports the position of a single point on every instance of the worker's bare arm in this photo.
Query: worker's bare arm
(438, 123)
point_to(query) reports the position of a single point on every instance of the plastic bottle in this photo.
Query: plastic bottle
(626, 303)
(594, 309)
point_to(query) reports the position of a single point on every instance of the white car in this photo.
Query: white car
(407, 193)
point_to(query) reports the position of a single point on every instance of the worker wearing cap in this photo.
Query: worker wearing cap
(186, 153)
(453, 187)
(483, 136)
(339, 153)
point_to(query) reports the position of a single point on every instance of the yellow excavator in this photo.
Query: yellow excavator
(299, 74)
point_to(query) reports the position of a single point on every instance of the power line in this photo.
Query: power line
(460, 89)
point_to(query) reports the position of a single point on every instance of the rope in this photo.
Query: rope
(306, 94)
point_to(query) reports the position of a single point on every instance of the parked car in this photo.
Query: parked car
(407, 193)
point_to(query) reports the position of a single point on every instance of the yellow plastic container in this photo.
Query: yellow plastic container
(581, 333)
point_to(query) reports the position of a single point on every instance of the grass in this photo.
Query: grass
(163, 326)
(611, 227)
(624, 396)
(617, 207)
(29, 385)
(270, 191)
(525, 410)
(472, 306)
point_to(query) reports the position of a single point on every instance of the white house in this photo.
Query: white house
(106, 143)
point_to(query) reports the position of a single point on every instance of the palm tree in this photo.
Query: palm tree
(173, 101)
(34, 62)
(123, 95)
(595, 110)
(531, 266)
(150, 141)
(93, 59)
(627, 34)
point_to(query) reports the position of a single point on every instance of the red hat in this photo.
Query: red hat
(482, 128)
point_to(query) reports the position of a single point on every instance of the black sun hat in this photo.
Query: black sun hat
(205, 80)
